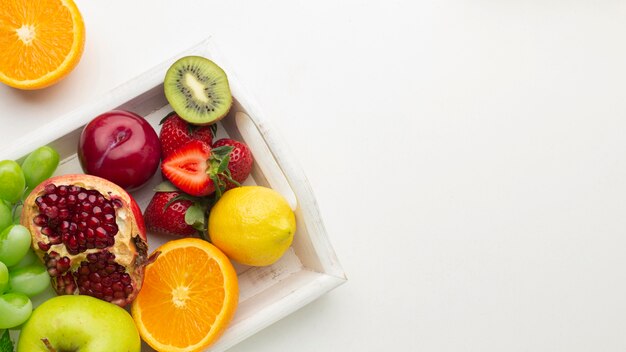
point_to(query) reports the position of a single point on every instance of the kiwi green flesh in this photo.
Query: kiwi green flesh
(198, 90)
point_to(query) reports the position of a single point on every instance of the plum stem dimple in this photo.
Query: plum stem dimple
(120, 137)
(26, 33)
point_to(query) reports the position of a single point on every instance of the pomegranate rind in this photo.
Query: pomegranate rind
(130, 248)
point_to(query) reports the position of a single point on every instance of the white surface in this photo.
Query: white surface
(468, 157)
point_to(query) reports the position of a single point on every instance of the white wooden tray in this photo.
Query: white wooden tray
(308, 269)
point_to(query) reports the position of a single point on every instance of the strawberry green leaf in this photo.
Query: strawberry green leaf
(166, 117)
(166, 186)
(221, 152)
(213, 128)
(195, 217)
(6, 345)
(223, 166)
(182, 196)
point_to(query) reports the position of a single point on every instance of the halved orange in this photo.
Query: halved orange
(41, 41)
(188, 298)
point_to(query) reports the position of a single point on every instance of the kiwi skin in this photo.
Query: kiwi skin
(198, 90)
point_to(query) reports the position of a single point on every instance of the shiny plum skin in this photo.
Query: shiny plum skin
(121, 147)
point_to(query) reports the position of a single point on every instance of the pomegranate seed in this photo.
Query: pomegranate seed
(73, 243)
(65, 226)
(81, 196)
(81, 238)
(64, 213)
(50, 188)
(56, 239)
(63, 264)
(51, 199)
(51, 212)
(40, 220)
(101, 233)
(117, 286)
(86, 207)
(106, 281)
(94, 277)
(111, 228)
(93, 222)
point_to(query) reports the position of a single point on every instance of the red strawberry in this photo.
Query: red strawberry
(187, 167)
(240, 163)
(199, 170)
(167, 217)
(175, 133)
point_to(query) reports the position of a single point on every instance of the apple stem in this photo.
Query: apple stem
(48, 345)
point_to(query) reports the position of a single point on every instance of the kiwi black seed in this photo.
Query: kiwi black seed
(198, 90)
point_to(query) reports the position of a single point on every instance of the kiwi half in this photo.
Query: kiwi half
(198, 90)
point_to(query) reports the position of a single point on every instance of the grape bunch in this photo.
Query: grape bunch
(22, 274)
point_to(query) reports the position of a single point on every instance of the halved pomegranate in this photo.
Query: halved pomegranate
(90, 234)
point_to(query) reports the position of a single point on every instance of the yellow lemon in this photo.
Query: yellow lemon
(252, 225)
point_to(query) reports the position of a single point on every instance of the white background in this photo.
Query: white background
(468, 156)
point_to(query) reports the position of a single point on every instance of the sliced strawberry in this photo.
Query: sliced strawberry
(176, 133)
(198, 170)
(241, 160)
(187, 167)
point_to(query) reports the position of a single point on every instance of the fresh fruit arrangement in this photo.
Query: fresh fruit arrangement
(84, 236)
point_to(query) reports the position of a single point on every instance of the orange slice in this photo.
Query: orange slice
(41, 41)
(189, 296)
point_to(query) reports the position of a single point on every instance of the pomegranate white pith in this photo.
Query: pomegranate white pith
(90, 234)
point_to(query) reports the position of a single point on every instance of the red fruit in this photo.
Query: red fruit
(240, 163)
(121, 147)
(175, 133)
(91, 236)
(187, 167)
(167, 217)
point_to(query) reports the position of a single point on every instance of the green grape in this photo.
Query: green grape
(12, 181)
(4, 277)
(14, 243)
(31, 280)
(39, 165)
(15, 309)
(28, 259)
(6, 217)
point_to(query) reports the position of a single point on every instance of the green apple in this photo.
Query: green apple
(79, 324)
